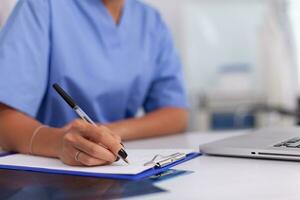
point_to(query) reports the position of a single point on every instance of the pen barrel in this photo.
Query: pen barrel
(64, 95)
(83, 115)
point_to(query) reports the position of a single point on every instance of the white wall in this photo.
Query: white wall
(211, 34)
(295, 21)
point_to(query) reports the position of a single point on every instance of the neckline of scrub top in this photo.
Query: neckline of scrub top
(109, 20)
(112, 33)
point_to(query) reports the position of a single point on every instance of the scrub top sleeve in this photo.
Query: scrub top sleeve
(24, 53)
(167, 88)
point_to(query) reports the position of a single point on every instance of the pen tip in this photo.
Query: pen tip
(126, 160)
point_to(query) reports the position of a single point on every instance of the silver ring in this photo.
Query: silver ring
(77, 155)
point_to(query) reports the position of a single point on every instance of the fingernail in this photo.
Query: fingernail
(118, 158)
(122, 153)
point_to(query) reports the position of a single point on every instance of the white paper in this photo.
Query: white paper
(136, 157)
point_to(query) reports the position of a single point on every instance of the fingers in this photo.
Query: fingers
(75, 157)
(93, 149)
(97, 145)
(88, 160)
(118, 138)
(98, 134)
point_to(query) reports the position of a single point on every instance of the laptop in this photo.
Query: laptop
(275, 143)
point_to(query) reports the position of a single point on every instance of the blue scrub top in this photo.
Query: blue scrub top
(110, 70)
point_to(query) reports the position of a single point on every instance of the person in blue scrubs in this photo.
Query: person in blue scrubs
(114, 57)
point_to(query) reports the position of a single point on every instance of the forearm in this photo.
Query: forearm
(16, 131)
(161, 122)
(77, 143)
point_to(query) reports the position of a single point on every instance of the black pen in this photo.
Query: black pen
(122, 153)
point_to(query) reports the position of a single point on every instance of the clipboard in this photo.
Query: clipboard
(159, 165)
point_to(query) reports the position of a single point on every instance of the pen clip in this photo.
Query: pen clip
(161, 161)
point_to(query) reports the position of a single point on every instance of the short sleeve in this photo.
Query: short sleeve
(167, 88)
(24, 55)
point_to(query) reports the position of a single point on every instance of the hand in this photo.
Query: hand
(96, 145)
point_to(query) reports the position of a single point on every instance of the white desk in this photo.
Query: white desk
(224, 178)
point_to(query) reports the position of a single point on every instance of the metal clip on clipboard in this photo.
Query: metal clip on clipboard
(161, 161)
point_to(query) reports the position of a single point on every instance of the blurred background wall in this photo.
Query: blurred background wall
(240, 59)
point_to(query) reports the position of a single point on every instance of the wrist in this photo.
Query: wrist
(119, 129)
(48, 142)
(33, 136)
